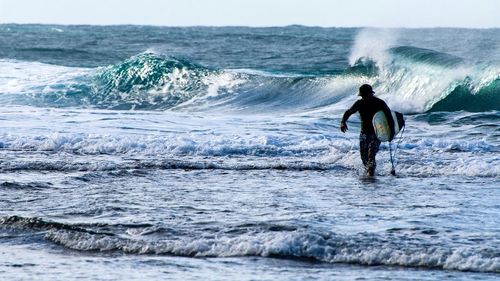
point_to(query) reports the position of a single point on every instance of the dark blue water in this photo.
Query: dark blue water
(215, 152)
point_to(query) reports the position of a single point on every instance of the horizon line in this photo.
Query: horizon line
(249, 26)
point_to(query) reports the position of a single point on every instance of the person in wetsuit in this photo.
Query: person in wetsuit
(367, 106)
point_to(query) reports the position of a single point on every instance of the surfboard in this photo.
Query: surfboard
(381, 126)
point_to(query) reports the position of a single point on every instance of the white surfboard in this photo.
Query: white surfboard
(381, 126)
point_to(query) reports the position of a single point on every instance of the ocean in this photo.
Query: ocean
(214, 153)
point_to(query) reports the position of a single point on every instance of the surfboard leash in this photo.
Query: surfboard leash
(393, 157)
(393, 170)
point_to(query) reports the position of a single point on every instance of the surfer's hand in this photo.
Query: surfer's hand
(343, 127)
(391, 137)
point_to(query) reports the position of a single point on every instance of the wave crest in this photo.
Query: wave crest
(270, 241)
(149, 81)
(410, 79)
(416, 80)
(329, 248)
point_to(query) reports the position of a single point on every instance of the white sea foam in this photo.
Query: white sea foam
(220, 145)
(373, 43)
(218, 85)
(363, 250)
(17, 77)
(423, 157)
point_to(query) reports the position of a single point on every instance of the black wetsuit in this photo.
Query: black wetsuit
(368, 142)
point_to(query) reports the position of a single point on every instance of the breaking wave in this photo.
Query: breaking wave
(148, 81)
(269, 240)
(416, 80)
(411, 79)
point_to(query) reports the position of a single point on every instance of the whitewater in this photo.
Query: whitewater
(180, 153)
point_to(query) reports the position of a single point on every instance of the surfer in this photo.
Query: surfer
(367, 106)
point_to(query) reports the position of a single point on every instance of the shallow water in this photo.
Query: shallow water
(261, 224)
(226, 165)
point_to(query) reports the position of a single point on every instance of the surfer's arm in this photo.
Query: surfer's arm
(347, 114)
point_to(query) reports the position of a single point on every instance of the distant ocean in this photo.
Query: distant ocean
(214, 153)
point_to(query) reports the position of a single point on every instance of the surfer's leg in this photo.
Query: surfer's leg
(363, 149)
(373, 147)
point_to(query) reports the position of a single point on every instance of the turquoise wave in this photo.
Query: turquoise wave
(427, 56)
(149, 81)
(462, 98)
(422, 79)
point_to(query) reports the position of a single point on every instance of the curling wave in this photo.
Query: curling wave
(149, 81)
(412, 80)
(416, 80)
